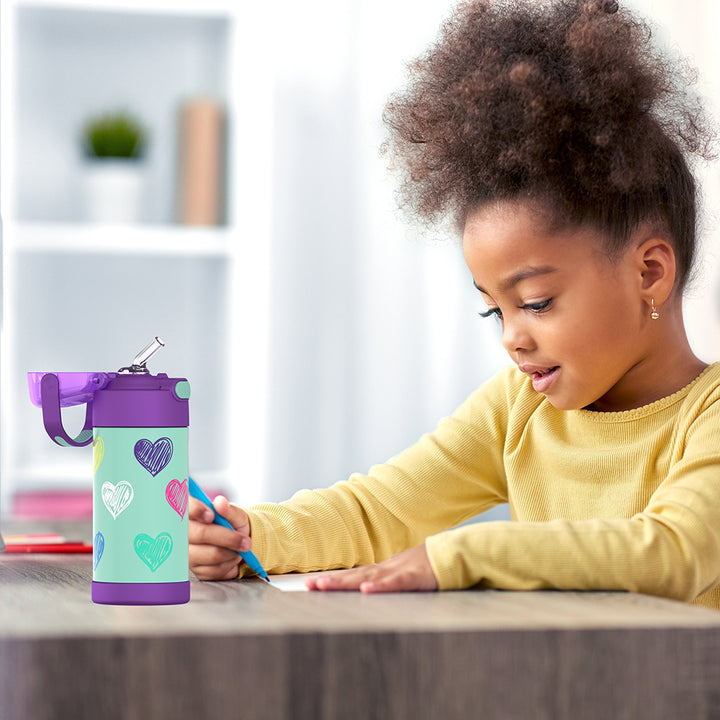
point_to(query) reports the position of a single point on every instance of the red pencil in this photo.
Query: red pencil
(68, 547)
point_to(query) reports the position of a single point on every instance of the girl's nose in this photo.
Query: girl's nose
(515, 336)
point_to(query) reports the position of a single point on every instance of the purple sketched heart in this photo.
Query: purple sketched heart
(154, 456)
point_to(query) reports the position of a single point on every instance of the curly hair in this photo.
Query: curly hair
(562, 101)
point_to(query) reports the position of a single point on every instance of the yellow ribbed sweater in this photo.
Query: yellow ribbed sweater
(615, 501)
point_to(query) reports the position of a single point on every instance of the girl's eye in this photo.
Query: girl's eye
(537, 307)
(490, 312)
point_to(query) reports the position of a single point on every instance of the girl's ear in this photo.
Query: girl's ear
(656, 264)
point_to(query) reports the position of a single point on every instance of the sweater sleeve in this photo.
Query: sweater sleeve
(670, 549)
(449, 476)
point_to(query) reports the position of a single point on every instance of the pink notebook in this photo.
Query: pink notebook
(68, 504)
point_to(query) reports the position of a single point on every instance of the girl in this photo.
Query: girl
(559, 141)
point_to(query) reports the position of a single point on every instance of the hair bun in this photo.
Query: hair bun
(565, 100)
(604, 6)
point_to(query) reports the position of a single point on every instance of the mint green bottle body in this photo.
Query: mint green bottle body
(140, 515)
(140, 491)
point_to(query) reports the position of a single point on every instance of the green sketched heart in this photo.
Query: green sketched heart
(153, 551)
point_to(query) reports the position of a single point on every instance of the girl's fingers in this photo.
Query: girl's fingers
(224, 571)
(367, 579)
(211, 562)
(234, 514)
(212, 555)
(199, 511)
(201, 533)
(342, 580)
(214, 548)
(407, 571)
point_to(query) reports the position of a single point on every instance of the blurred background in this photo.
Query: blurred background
(244, 215)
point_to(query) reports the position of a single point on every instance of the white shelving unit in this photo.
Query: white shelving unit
(82, 296)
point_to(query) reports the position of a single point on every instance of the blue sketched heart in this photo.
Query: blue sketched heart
(98, 547)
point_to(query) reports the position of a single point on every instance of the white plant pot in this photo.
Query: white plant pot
(114, 190)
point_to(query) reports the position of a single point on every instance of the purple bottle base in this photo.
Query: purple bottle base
(105, 593)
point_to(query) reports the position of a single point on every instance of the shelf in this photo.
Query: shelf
(84, 294)
(157, 7)
(70, 62)
(67, 238)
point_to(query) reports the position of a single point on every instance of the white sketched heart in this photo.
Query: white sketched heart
(117, 497)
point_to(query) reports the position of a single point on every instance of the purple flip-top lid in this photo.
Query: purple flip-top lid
(142, 400)
(74, 388)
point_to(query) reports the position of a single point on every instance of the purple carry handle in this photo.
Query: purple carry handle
(52, 419)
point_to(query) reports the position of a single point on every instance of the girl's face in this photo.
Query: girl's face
(572, 319)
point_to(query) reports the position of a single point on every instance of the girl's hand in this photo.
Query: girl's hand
(213, 548)
(409, 570)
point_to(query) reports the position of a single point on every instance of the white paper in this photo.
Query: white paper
(289, 583)
(295, 582)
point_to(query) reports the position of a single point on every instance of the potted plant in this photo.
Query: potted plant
(114, 146)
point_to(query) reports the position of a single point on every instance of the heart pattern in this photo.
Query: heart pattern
(176, 493)
(153, 551)
(98, 547)
(117, 497)
(154, 456)
(98, 452)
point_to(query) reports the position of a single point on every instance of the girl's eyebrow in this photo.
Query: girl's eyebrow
(519, 276)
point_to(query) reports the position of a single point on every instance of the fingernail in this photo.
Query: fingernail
(208, 515)
(245, 544)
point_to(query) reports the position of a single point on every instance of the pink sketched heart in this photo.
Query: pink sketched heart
(176, 493)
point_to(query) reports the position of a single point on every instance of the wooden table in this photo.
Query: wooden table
(246, 650)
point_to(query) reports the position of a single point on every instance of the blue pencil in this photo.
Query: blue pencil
(248, 556)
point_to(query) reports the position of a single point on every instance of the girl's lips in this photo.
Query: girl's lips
(543, 379)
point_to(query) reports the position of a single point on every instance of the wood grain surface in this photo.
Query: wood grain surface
(247, 650)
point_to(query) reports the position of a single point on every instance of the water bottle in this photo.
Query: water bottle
(138, 425)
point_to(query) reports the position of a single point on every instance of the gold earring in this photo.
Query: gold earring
(654, 314)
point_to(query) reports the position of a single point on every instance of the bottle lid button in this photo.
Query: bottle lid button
(182, 390)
